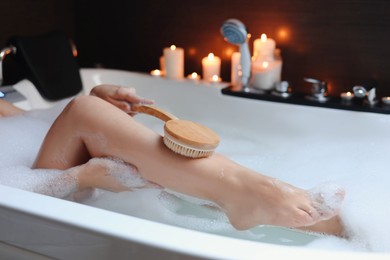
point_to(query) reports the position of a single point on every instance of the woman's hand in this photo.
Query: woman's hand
(121, 97)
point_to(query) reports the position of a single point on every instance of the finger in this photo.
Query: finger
(123, 105)
(129, 94)
(124, 92)
(126, 107)
(145, 101)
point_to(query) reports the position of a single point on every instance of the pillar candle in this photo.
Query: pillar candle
(174, 62)
(211, 65)
(264, 47)
(266, 68)
(162, 65)
(265, 75)
(235, 69)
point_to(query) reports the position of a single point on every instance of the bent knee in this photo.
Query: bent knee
(82, 102)
(90, 108)
(82, 106)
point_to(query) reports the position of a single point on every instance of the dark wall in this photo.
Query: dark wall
(343, 42)
(30, 18)
(26, 17)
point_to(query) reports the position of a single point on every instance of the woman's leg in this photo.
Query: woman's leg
(8, 109)
(90, 127)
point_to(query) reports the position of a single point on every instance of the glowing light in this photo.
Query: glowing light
(74, 51)
(194, 75)
(265, 64)
(215, 78)
(283, 34)
(228, 52)
(386, 100)
(347, 95)
(210, 56)
(157, 73)
(263, 37)
(211, 65)
(192, 51)
(173, 47)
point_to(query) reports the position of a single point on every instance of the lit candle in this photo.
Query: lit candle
(215, 79)
(235, 69)
(174, 62)
(211, 65)
(386, 100)
(193, 76)
(162, 65)
(156, 73)
(347, 96)
(264, 75)
(266, 70)
(264, 46)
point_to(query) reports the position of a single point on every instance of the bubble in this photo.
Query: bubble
(327, 199)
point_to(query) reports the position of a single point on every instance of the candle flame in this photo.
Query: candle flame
(173, 47)
(215, 78)
(349, 93)
(210, 56)
(263, 37)
(194, 75)
(265, 64)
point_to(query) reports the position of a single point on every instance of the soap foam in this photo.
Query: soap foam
(327, 199)
(365, 211)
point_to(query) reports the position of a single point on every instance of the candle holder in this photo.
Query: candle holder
(193, 77)
(266, 74)
(156, 73)
(386, 100)
(215, 79)
(347, 96)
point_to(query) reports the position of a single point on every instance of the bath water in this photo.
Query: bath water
(303, 161)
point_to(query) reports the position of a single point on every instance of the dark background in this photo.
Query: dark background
(344, 42)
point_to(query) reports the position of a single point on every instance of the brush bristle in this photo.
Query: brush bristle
(186, 150)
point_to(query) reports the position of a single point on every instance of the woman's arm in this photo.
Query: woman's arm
(121, 97)
(8, 109)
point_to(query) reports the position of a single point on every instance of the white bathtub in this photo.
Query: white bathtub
(33, 226)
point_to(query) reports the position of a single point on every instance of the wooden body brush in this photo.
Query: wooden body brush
(181, 136)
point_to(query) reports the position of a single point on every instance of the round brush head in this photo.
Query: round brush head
(190, 139)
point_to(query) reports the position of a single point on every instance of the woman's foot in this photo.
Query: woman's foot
(268, 201)
(332, 226)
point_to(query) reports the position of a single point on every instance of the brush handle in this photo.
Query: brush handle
(154, 111)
